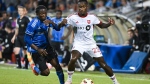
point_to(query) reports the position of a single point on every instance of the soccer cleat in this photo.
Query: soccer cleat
(18, 67)
(68, 82)
(35, 70)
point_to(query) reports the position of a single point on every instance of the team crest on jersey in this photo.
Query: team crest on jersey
(88, 21)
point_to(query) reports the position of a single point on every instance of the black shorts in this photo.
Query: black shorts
(57, 46)
(41, 60)
(19, 42)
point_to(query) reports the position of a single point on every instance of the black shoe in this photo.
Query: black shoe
(25, 67)
(18, 67)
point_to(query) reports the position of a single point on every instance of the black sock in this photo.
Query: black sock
(60, 75)
(26, 62)
(18, 58)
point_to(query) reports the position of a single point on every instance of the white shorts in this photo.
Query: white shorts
(92, 50)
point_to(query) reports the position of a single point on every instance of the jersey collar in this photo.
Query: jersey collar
(83, 16)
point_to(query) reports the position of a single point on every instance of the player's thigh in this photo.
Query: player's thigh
(51, 53)
(94, 51)
(100, 61)
(16, 50)
(77, 51)
(17, 43)
(22, 42)
(40, 61)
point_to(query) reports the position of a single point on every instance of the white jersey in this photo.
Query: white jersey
(83, 28)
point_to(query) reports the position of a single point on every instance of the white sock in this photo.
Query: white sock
(113, 78)
(70, 73)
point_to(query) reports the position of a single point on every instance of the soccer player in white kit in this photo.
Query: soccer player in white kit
(82, 23)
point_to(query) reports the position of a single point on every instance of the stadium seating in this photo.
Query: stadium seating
(134, 63)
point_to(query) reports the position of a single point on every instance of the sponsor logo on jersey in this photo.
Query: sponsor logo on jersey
(88, 21)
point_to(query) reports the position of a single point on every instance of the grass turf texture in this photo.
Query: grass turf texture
(10, 75)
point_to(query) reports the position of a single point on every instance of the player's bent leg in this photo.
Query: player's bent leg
(45, 72)
(26, 59)
(18, 58)
(107, 69)
(103, 64)
(34, 68)
(75, 55)
(55, 63)
(71, 66)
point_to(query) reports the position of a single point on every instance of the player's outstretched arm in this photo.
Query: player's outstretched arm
(106, 25)
(48, 22)
(62, 23)
(68, 32)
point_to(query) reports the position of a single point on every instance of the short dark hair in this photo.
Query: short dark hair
(39, 8)
(83, 1)
(59, 11)
(20, 6)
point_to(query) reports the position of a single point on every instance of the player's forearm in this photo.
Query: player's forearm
(61, 25)
(55, 26)
(29, 42)
(34, 47)
(69, 31)
(104, 25)
(16, 32)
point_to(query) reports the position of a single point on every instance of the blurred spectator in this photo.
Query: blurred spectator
(2, 31)
(125, 6)
(61, 6)
(133, 39)
(8, 46)
(91, 5)
(71, 6)
(35, 4)
(51, 5)
(29, 5)
(58, 37)
(66, 57)
(2, 6)
(18, 38)
(109, 4)
(100, 6)
(11, 8)
(5, 20)
(116, 3)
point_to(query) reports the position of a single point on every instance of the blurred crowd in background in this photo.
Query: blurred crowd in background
(10, 6)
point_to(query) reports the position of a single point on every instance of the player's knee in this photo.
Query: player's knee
(57, 67)
(45, 73)
(103, 65)
(74, 59)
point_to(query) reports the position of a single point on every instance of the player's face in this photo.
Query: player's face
(82, 8)
(130, 34)
(42, 14)
(58, 14)
(21, 11)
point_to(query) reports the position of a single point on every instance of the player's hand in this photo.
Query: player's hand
(64, 22)
(111, 21)
(47, 22)
(42, 52)
(12, 40)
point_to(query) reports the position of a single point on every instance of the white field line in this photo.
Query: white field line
(77, 74)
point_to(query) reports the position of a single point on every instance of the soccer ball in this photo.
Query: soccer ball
(87, 81)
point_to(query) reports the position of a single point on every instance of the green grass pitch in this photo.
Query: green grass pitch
(10, 75)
